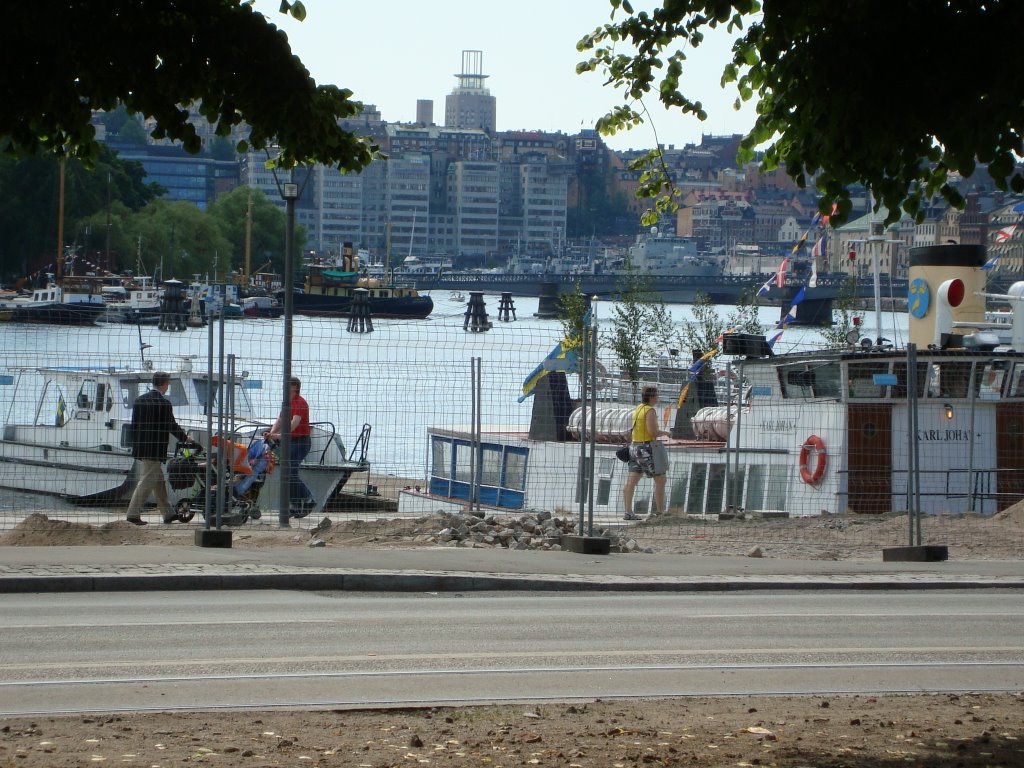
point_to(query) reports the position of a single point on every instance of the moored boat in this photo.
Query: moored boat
(68, 301)
(68, 432)
(864, 429)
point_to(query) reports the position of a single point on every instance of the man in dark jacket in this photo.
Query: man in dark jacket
(152, 423)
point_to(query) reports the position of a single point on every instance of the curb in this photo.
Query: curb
(473, 582)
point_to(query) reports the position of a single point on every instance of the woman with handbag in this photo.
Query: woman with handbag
(647, 455)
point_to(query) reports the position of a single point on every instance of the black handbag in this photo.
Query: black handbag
(622, 454)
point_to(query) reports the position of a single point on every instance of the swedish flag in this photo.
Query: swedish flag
(562, 358)
(62, 409)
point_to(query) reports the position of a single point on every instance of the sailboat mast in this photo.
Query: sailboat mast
(248, 240)
(60, 223)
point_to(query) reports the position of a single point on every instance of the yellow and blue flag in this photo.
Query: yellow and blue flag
(562, 358)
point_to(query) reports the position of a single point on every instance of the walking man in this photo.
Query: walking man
(301, 501)
(152, 424)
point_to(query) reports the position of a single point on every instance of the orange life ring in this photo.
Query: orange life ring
(808, 475)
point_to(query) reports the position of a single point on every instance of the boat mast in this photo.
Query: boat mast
(60, 223)
(248, 240)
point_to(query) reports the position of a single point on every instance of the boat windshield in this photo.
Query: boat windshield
(242, 404)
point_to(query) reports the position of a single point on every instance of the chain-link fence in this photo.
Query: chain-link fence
(422, 423)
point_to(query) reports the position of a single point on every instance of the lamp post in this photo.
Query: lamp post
(290, 193)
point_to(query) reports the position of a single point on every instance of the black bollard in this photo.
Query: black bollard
(172, 306)
(359, 320)
(476, 314)
(548, 301)
(506, 308)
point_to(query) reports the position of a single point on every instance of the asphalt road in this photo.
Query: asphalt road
(138, 651)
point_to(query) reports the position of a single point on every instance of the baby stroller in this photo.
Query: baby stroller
(249, 467)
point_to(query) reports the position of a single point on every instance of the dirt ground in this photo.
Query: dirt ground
(998, 537)
(936, 731)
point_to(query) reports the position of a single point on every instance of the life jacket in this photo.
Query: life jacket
(239, 455)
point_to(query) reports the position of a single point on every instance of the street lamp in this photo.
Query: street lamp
(290, 193)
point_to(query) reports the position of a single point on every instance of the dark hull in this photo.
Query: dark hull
(672, 289)
(58, 314)
(401, 307)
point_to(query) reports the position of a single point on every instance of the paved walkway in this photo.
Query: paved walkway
(139, 568)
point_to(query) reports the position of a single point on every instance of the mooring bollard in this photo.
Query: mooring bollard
(506, 308)
(476, 314)
(359, 320)
(172, 306)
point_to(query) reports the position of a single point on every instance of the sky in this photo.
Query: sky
(392, 53)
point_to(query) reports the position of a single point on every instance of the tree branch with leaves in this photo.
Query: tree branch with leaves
(843, 89)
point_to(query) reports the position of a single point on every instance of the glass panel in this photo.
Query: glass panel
(900, 369)
(734, 497)
(861, 380)
(1018, 381)
(515, 470)
(491, 466)
(825, 380)
(463, 462)
(695, 500)
(440, 458)
(775, 497)
(755, 486)
(582, 480)
(992, 380)
(716, 489)
(677, 489)
(129, 391)
(953, 378)
(86, 395)
(795, 381)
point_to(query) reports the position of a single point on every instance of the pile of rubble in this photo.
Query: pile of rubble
(534, 530)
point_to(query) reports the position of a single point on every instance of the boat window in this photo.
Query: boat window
(242, 405)
(778, 481)
(86, 395)
(176, 393)
(756, 478)
(463, 462)
(677, 488)
(804, 380)
(716, 489)
(490, 466)
(1017, 389)
(991, 384)
(582, 480)
(129, 391)
(441, 458)
(951, 378)
(899, 391)
(53, 408)
(862, 382)
(515, 469)
(695, 499)
(605, 468)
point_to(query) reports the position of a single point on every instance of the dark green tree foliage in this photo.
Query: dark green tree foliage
(893, 95)
(176, 239)
(29, 201)
(63, 59)
(268, 229)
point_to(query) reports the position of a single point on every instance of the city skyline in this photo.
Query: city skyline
(529, 54)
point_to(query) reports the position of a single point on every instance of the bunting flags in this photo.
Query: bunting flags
(1004, 234)
(819, 248)
(775, 337)
(780, 275)
(991, 263)
(791, 315)
(764, 289)
(812, 282)
(694, 371)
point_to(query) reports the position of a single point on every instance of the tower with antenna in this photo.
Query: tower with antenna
(470, 104)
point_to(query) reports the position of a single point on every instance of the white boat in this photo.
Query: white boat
(137, 303)
(68, 430)
(815, 432)
(69, 301)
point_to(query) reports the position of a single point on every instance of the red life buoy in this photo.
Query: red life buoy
(808, 475)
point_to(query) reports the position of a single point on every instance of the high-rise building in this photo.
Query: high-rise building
(425, 111)
(471, 105)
